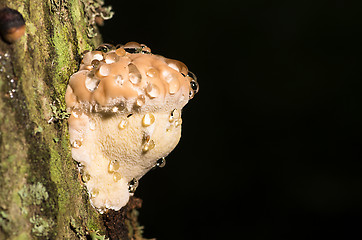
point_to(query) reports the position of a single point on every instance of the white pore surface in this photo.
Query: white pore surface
(98, 140)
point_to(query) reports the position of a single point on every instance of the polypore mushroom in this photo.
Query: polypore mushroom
(125, 106)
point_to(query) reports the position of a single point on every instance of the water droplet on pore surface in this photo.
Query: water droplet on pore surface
(91, 83)
(113, 166)
(161, 162)
(152, 90)
(86, 177)
(77, 144)
(149, 145)
(132, 185)
(134, 74)
(174, 115)
(148, 119)
(123, 124)
(117, 176)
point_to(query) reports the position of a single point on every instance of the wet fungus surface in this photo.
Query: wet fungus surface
(125, 105)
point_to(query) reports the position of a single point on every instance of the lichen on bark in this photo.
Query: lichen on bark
(41, 193)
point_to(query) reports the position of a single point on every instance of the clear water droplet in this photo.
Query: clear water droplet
(86, 177)
(174, 115)
(95, 63)
(152, 90)
(148, 119)
(141, 99)
(91, 83)
(105, 47)
(145, 49)
(134, 74)
(194, 86)
(117, 176)
(161, 162)
(77, 144)
(111, 58)
(104, 70)
(132, 47)
(149, 145)
(152, 72)
(113, 166)
(120, 52)
(132, 185)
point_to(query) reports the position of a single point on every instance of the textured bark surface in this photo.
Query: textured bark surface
(41, 192)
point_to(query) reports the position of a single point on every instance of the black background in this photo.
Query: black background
(271, 145)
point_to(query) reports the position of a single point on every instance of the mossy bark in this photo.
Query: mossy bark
(41, 192)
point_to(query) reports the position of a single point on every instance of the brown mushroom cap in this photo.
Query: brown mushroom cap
(131, 81)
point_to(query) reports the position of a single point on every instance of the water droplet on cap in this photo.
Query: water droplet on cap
(152, 72)
(134, 74)
(111, 58)
(106, 47)
(104, 70)
(152, 90)
(95, 63)
(120, 52)
(132, 47)
(91, 83)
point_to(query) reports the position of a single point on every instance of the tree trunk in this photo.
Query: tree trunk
(41, 193)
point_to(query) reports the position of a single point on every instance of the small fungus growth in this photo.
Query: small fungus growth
(12, 25)
(125, 117)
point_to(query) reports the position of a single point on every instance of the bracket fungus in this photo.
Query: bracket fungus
(125, 105)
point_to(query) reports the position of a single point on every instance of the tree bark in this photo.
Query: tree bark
(41, 191)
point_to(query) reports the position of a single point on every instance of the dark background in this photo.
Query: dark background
(271, 145)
